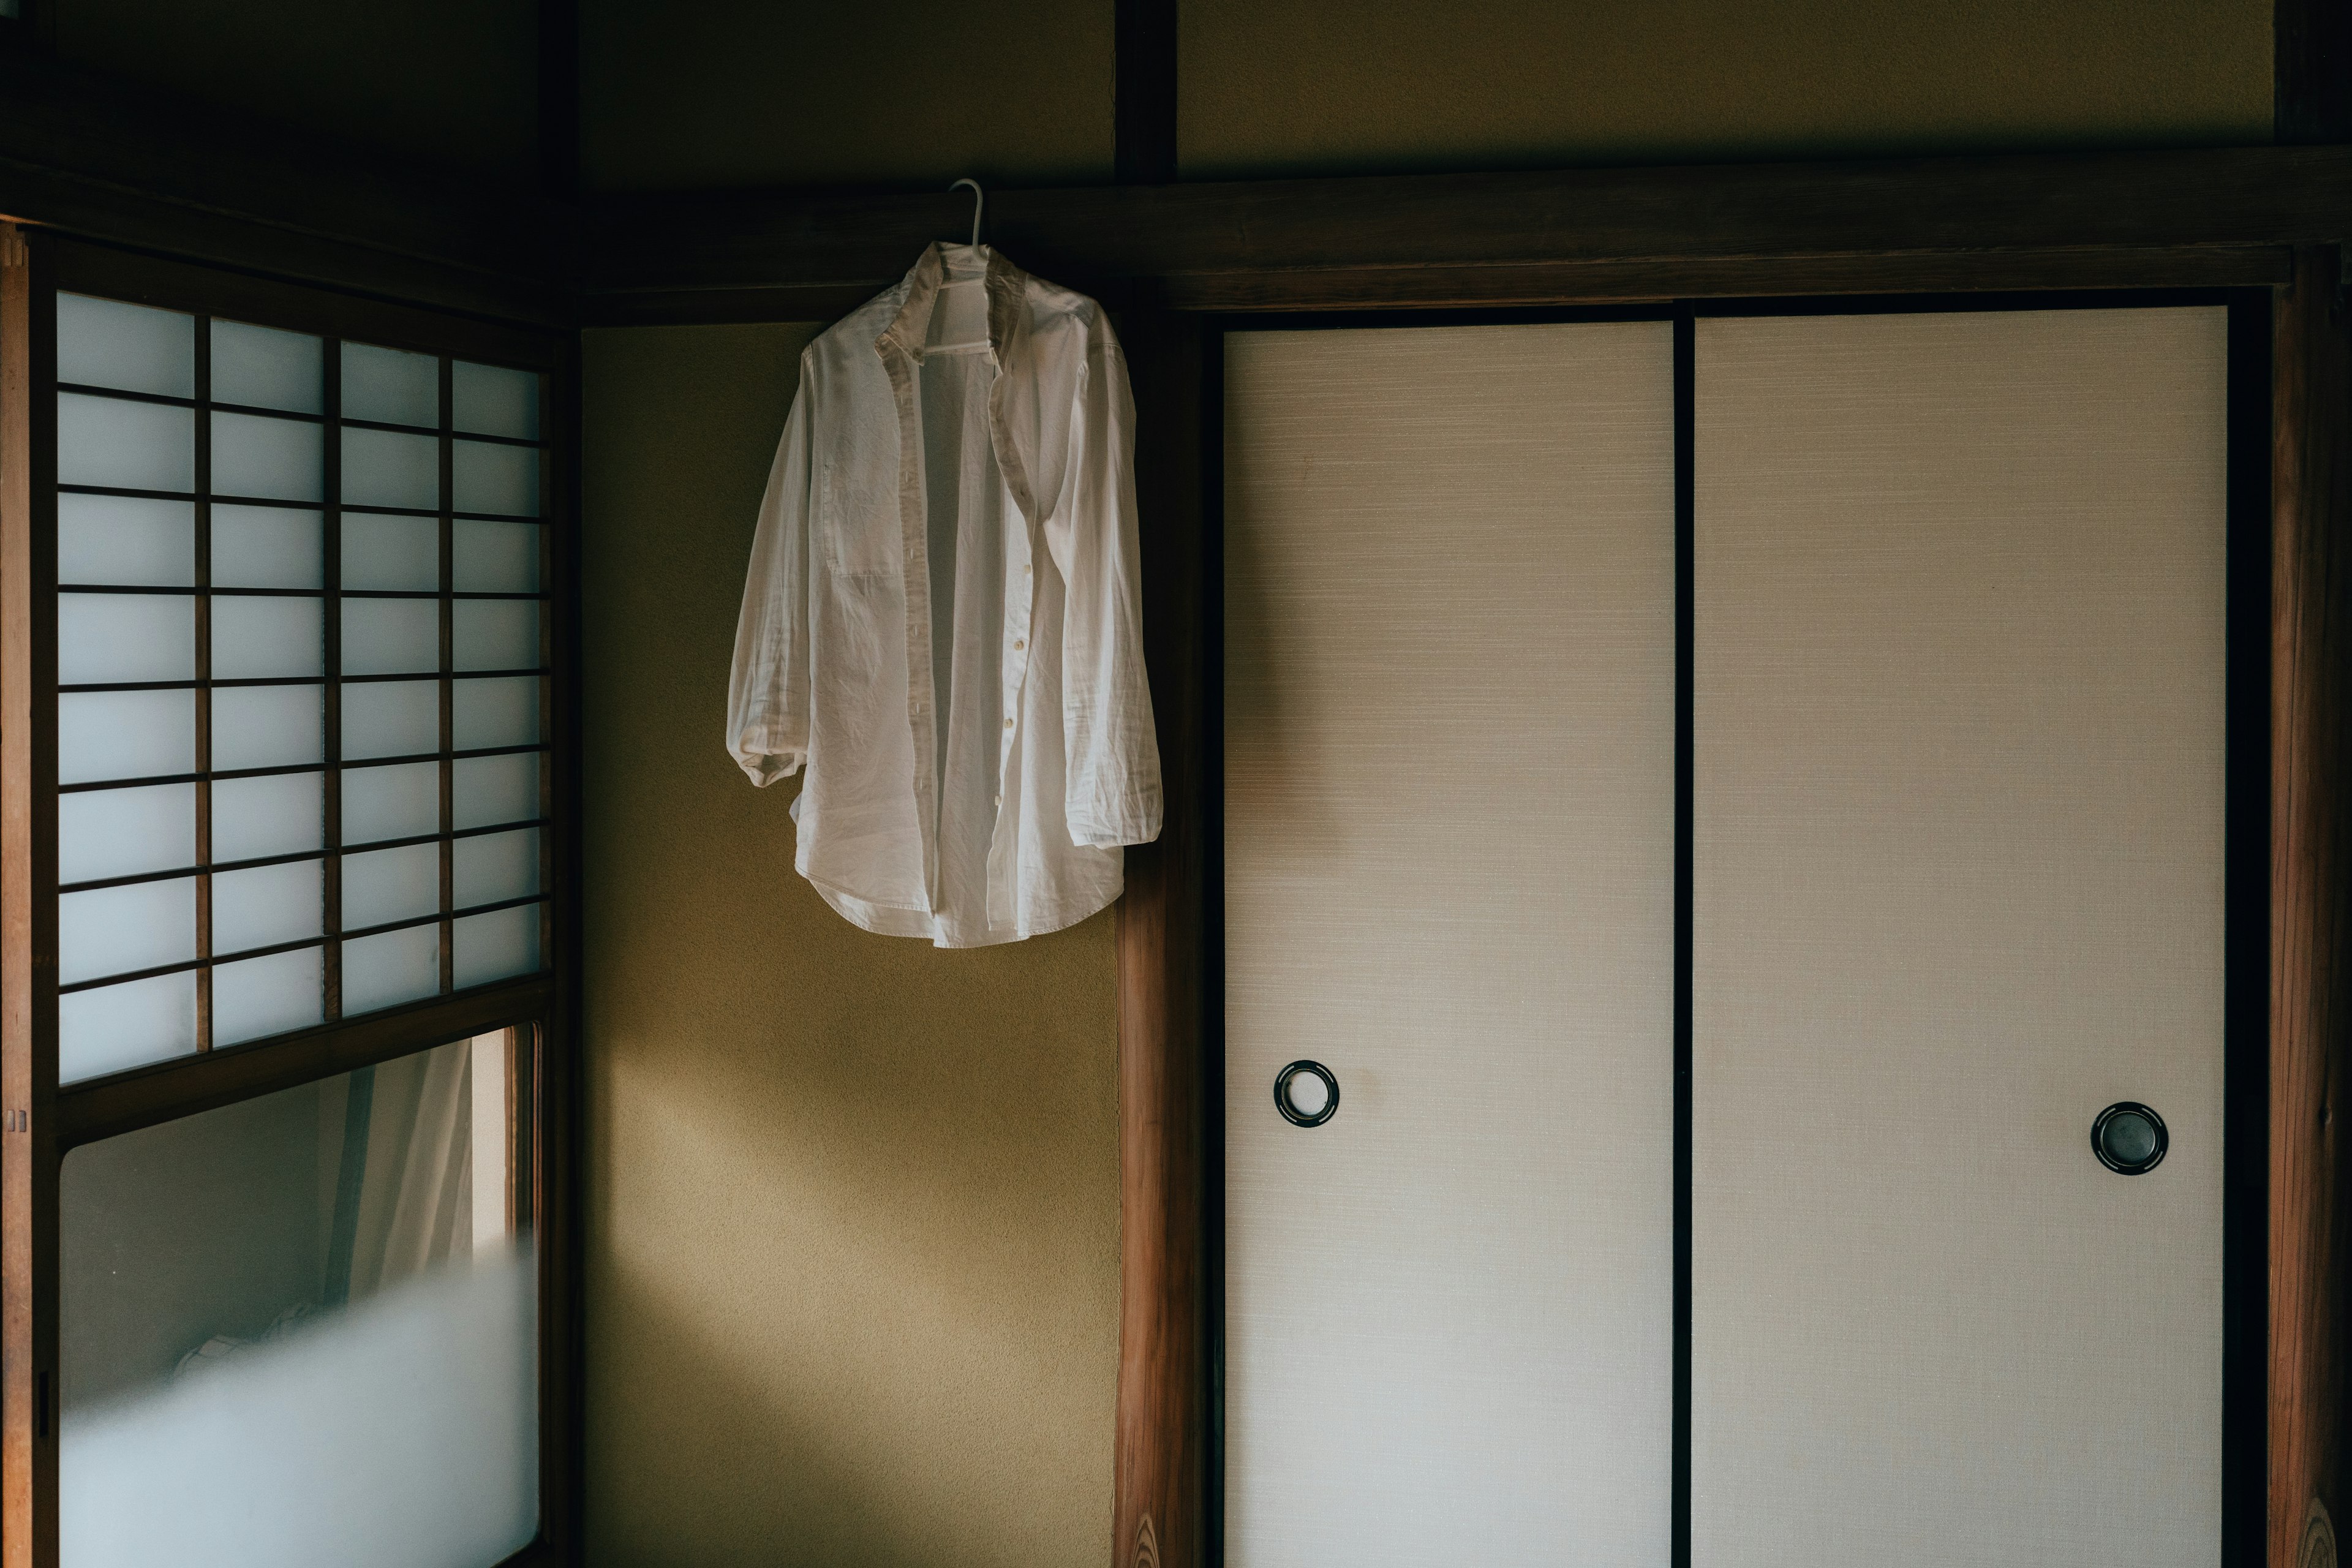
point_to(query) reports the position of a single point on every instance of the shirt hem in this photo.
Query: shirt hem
(890, 919)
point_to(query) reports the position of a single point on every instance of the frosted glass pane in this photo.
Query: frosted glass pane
(125, 636)
(396, 802)
(253, 637)
(266, 727)
(485, 477)
(491, 401)
(125, 735)
(129, 445)
(275, 460)
(495, 634)
(390, 385)
(392, 719)
(496, 712)
(113, 931)
(495, 945)
(494, 557)
(383, 885)
(133, 348)
(395, 967)
(489, 790)
(383, 467)
(131, 540)
(393, 553)
(391, 636)
(123, 832)
(494, 866)
(263, 996)
(266, 905)
(293, 1332)
(267, 547)
(116, 1028)
(278, 814)
(265, 368)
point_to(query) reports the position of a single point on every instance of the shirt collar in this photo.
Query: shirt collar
(912, 324)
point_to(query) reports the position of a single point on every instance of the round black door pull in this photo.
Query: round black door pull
(2129, 1138)
(1305, 1107)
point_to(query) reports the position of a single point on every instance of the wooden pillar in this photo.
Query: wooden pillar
(1167, 1055)
(28, 951)
(2308, 1212)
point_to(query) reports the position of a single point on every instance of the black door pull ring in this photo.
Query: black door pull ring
(1289, 1107)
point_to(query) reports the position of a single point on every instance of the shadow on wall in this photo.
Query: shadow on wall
(853, 1201)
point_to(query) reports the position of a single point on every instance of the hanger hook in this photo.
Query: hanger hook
(978, 204)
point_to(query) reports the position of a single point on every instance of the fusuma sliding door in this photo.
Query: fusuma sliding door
(1951, 623)
(1958, 887)
(1449, 852)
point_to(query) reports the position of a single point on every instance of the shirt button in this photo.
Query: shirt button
(1025, 571)
(1008, 723)
(999, 800)
(1018, 644)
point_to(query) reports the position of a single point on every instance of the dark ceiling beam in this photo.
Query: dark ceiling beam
(1444, 238)
(1143, 92)
(559, 98)
(2312, 41)
(142, 167)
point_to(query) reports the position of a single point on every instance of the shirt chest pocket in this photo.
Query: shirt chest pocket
(857, 520)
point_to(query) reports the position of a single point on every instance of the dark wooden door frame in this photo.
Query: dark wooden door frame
(1166, 1510)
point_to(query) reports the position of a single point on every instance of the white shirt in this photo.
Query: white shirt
(942, 617)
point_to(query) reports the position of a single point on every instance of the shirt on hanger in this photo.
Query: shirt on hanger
(942, 616)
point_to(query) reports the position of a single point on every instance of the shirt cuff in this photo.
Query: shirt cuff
(767, 768)
(1128, 822)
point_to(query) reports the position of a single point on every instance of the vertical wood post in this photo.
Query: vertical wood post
(1164, 1045)
(1143, 91)
(2308, 1214)
(28, 953)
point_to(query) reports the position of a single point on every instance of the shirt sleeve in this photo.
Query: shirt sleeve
(1113, 754)
(768, 689)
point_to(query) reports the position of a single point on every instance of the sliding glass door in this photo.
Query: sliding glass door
(283, 736)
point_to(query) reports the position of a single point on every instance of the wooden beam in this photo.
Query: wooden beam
(2310, 1219)
(2311, 949)
(1903, 224)
(146, 168)
(124, 1102)
(2311, 67)
(1169, 1175)
(559, 98)
(1543, 284)
(29, 1153)
(1143, 92)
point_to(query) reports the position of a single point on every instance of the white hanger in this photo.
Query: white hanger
(978, 204)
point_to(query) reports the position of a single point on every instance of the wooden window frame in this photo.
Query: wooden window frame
(42, 1122)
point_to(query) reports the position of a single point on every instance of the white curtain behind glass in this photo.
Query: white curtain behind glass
(296, 1332)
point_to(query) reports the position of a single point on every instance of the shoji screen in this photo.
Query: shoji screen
(1449, 857)
(1958, 710)
(300, 681)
